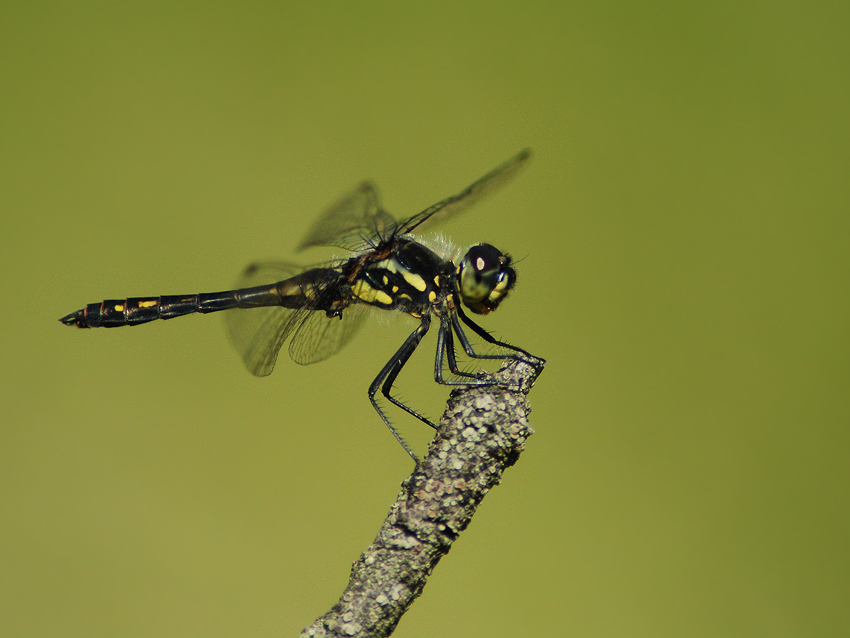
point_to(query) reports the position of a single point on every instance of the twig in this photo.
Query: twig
(481, 434)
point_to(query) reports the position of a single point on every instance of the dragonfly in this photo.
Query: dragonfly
(319, 308)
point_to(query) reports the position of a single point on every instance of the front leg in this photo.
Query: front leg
(451, 354)
(467, 346)
(445, 349)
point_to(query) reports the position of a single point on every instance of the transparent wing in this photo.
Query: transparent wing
(352, 223)
(267, 272)
(467, 197)
(318, 336)
(258, 333)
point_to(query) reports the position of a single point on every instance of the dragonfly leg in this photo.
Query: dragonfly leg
(451, 355)
(467, 346)
(386, 377)
(446, 349)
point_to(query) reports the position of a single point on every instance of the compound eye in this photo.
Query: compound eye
(485, 277)
(484, 259)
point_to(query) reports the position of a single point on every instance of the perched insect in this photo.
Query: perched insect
(320, 308)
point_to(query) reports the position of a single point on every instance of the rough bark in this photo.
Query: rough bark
(481, 434)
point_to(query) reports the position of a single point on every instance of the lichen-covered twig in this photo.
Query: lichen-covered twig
(481, 434)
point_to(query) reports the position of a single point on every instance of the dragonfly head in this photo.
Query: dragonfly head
(485, 277)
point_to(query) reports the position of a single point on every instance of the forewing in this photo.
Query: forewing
(352, 223)
(467, 197)
(258, 333)
(318, 336)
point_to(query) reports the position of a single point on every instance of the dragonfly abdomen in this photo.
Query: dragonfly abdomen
(112, 313)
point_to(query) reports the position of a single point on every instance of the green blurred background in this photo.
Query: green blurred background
(683, 230)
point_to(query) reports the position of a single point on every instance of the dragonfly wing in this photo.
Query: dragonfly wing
(467, 197)
(258, 333)
(267, 272)
(319, 336)
(351, 223)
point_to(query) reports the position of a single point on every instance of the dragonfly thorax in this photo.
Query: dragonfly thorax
(485, 277)
(404, 278)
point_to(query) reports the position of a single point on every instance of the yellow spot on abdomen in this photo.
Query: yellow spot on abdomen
(147, 304)
(119, 308)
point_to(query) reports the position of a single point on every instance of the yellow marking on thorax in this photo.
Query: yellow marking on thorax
(362, 290)
(414, 280)
(391, 265)
(387, 264)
